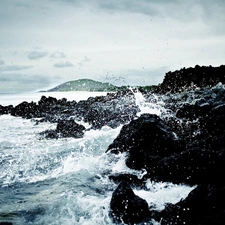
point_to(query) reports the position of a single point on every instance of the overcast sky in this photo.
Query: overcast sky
(46, 42)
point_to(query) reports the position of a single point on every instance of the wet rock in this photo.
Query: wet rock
(195, 166)
(146, 140)
(127, 207)
(25, 110)
(193, 111)
(6, 223)
(204, 205)
(69, 128)
(64, 129)
(111, 111)
(199, 76)
(5, 109)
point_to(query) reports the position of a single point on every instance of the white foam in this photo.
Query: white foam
(158, 194)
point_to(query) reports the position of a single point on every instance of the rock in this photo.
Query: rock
(5, 109)
(126, 207)
(64, 129)
(195, 166)
(25, 110)
(191, 78)
(110, 111)
(6, 223)
(204, 205)
(192, 112)
(69, 128)
(146, 140)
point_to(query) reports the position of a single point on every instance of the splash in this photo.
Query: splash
(152, 105)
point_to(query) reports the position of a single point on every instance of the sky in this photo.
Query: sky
(124, 42)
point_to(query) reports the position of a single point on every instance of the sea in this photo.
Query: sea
(65, 181)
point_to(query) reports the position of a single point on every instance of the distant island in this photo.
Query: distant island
(89, 85)
(84, 85)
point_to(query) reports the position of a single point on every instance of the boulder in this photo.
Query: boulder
(126, 207)
(194, 166)
(189, 78)
(64, 129)
(5, 109)
(146, 139)
(6, 223)
(25, 110)
(204, 205)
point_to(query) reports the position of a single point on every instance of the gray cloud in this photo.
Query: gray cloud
(14, 67)
(58, 55)
(2, 62)
(33, 55)
(171, 8)
(63, 64)
(16, 82)
(85, 60)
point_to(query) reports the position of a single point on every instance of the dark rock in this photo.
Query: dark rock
(196, 166)
(110, 110)
(45, 102)
(204, 205)
(5, 109)
(25, 110)
(69, 128)
(146, 140)
(127, 207)
(193, 111)
(189, 78)
(6, 223)
(64, 129)
(50, 134)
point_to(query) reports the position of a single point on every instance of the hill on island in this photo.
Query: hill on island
(84, 85)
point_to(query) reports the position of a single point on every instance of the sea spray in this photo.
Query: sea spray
(152, 105)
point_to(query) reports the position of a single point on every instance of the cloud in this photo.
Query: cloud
(13, 67)
(58, 55)
(63, 64)
(33, 55)
(2, 62)
(143, 77)
(85, 60)
(16, 82)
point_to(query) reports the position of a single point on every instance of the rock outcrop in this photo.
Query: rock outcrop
(199, 76)
(127, 207)
(64, 129)
(187, 147)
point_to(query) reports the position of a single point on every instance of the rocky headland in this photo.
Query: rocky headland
(186, 145)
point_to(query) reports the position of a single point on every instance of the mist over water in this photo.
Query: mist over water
(65, 181)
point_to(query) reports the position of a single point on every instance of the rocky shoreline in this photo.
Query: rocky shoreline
(185, 146)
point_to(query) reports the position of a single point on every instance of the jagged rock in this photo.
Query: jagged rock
(191, 77)
(146, 140)
(110, 111)
(6, 223)
(5, 109)
(127, 207)
(195, 166)
(204, 205)
(25, 110)
(64, 129)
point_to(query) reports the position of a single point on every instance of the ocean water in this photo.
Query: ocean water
(65, 181)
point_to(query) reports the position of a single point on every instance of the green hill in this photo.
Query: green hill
(84, 85)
